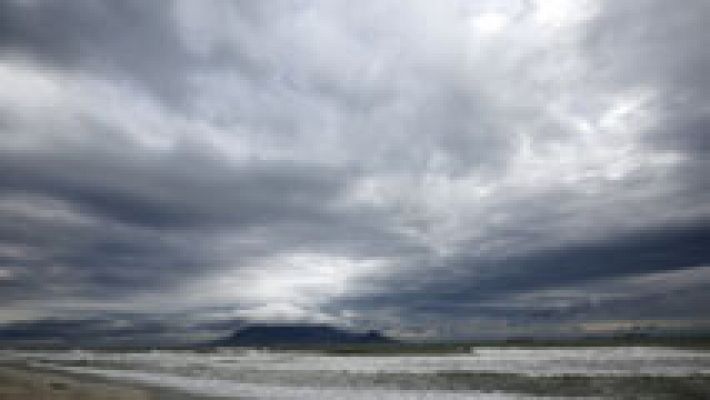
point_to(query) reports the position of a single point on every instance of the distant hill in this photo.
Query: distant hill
(299, 334)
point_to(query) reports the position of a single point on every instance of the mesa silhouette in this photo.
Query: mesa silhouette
(299, 334)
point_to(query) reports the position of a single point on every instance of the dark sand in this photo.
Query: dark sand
(20, 383)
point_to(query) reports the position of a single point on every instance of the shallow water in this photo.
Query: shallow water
(487, 373)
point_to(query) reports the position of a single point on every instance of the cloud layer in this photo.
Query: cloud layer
(455, 169)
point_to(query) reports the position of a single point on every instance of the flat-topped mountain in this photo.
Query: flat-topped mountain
(299, 334)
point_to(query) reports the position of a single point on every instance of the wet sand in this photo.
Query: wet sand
(19, 383)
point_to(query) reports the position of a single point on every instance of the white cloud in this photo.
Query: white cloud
(490, 22)
(289, 285)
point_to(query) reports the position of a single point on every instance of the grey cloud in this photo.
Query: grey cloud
(117, 329)
(481, 279)
(655, 44)
(129, 39)
(178, 141)
(177, 190)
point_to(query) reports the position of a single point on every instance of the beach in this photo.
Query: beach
(22, 383)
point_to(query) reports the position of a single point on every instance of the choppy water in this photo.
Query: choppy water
(487, 373)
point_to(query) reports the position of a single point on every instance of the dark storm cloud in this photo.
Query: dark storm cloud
(177, 190)
(64, 332)
(340, 162)
(481, 279)
(118, 329)
(66, 260)
(130, 39)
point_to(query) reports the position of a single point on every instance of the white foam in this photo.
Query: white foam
(602, 361)
(223, 388)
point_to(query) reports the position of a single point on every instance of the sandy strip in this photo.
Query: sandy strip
(23, 384)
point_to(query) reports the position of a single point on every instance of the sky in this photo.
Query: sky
(171, 170)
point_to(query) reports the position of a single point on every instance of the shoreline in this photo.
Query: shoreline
(634, 372)
(20, 382)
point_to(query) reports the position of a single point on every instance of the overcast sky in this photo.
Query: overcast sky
(429, 168)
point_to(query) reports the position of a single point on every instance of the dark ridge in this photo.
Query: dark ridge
(299, 334)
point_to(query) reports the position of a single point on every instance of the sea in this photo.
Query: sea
(475, 373)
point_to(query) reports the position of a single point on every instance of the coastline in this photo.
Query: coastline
(25, 383)
(508, 372)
